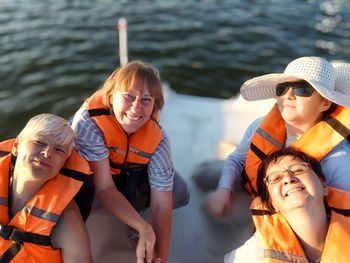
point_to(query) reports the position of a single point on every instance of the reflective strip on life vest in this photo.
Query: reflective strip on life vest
(284, 256)
(140, 153)
(49, 216)
(269, 138)
(117, 151)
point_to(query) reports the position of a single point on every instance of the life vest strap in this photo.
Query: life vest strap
(338, 126)
(261, 155)
(344, 212)
(115, 165)
(19, 236)
(99, 112)
(11, 252)
(246, 181)
(74, 174)
(134, 166)
(259, 212)
(4, 153)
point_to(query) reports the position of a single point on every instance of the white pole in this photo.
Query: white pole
(123, 41)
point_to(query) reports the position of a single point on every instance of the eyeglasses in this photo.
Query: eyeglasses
(300, 88)
(294, 169)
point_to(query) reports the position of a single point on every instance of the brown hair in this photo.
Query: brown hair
(123, 79)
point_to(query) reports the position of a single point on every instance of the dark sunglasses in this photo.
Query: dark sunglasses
(300, 88)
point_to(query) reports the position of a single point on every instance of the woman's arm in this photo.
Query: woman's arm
(335, 166)
(119, 206)
(161, 211)
(219, 202)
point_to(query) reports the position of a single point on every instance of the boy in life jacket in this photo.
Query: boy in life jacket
(311, 115)
(40, 173)
(117, 131)
(297, 216)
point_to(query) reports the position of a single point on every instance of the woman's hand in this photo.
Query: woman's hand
(219, 203)
(144, 250)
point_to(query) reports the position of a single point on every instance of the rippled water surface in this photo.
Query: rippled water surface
(55, 53)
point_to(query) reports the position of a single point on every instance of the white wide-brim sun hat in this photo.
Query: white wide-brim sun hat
(342, 84)
(331, 83)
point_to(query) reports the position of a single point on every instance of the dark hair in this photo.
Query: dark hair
(272, 158)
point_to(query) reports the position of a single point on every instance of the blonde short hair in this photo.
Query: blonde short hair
(49, 124)
(123, 79)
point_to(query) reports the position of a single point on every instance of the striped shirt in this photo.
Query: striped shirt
(89, 141)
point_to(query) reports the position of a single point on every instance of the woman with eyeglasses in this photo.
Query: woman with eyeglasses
(311, 115)
(297, 216)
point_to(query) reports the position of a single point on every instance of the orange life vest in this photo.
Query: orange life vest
(27, 236)
(317, 142)
(280, 243)
(131, 151)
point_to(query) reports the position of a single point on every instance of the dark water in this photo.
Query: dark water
(55, 53)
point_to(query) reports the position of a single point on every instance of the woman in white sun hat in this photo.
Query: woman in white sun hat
(311, 115)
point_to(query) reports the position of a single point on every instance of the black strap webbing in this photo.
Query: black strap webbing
(74, 174)
(4, 153)
(135, 166)
(258, 212)
(261, 155)
(344, 212)
(10, 253)
(338, 126)
(115, 165)
(19, 236)
(246, 180)
(98, 112)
